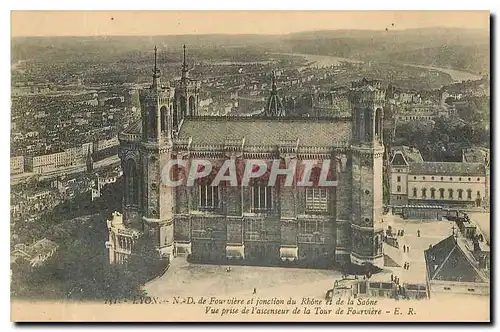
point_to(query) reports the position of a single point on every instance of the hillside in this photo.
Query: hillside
(461, 49)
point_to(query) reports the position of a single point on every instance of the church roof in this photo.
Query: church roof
(264, 131)
(447, 261)
(447, 168)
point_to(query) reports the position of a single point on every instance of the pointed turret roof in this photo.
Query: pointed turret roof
(274, 106)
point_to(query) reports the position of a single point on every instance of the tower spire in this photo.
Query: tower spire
(156, 49)
(156, 71)
(273, 85)
(184, 64)
(89, 161)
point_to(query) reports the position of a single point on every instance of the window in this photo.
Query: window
(469, 179)
(209, 197)
(478, 179)
(433, 193)
(470, 289)
(432, 178)
(424, 192)
(254, 225)
(398, 189)
(423, 177)
(310, 226)
(261, 198)
(399, 179)
(414, 178)
(447, 288)
(316, 200)
(442, 178)
(478, 194)
(450, 193)
(399, 171)
(414, 192)
(132, 182)
(469, 194)
(451, 179)
(460, 191)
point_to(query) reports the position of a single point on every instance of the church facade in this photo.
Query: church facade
(260, 223)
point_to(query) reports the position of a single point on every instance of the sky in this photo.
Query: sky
(147, 23)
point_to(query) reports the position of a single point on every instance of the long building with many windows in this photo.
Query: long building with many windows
(449, 184)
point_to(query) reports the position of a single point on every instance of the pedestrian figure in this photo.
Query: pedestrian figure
(418, 233)
(402, 232)
(404, 248)
(255, 290)
(407, 248)
(392, 277)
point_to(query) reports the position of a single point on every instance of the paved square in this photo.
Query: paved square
(186, 279)
(431, 232)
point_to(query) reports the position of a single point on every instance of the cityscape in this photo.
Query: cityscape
(395, 137)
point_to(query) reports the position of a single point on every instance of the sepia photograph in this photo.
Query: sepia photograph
(250, 166)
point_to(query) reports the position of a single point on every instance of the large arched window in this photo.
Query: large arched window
(378, 122)
(183, 106)
(414, 192)
(153, 125)
(460, 193)
(433, 193)
(192, 106)
(175, 117)
(368, 125)
(424, 192)
(131, 182)
(450, 193)
(164, 118)
(441, 193)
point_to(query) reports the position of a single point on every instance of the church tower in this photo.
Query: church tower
(145, 192)
(89, 161)
(274, 106)
(186, 95)
(367, 101)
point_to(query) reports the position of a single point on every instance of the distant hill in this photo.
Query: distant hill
(461, 49)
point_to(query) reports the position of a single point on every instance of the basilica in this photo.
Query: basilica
(254, 223)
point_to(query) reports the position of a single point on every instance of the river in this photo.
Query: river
(320, 61)
(456, 75)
